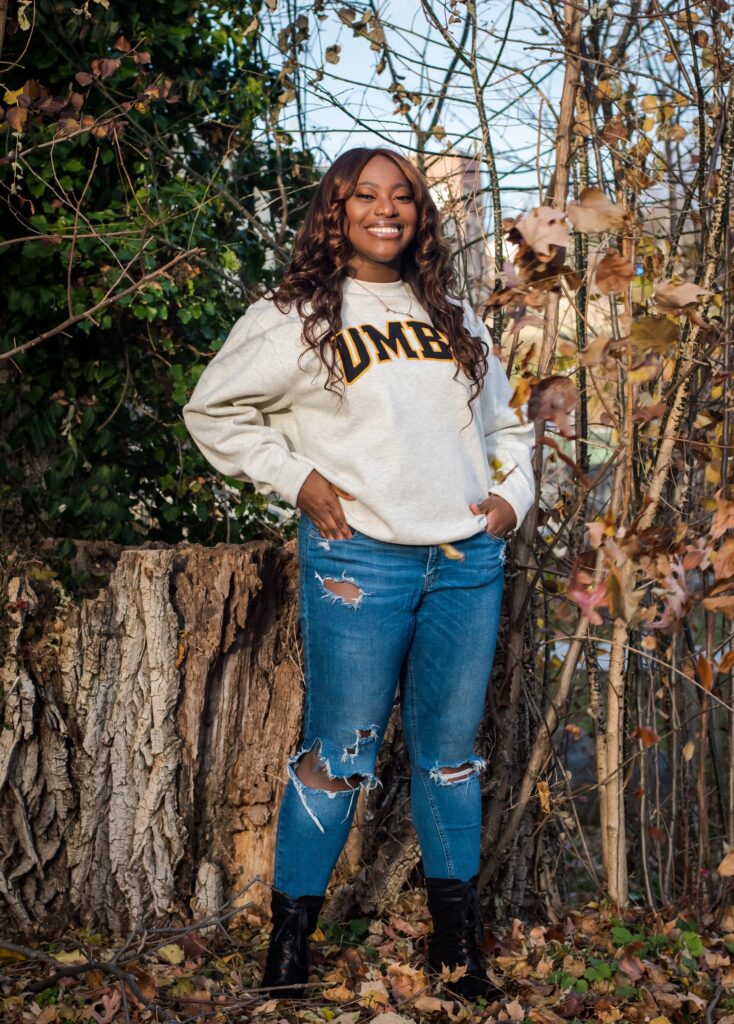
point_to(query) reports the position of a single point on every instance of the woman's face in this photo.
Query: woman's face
(382, 217)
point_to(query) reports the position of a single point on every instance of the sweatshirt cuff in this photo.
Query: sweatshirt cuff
(518, 493)
(290, 478)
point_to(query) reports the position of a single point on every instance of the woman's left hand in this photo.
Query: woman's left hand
(500, 514)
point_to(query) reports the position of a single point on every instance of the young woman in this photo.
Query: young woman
(365, 392)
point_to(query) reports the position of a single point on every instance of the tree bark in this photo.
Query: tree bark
(145, 735)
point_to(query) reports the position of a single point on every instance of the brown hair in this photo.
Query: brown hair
(322, 251)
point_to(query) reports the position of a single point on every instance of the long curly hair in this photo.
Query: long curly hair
(313, 279)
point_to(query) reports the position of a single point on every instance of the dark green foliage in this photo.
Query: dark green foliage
(175, 98)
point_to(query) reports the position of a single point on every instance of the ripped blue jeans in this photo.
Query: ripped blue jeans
(373, 616)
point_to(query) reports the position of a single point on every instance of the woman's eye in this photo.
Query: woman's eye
(364, 195)
(405, 199)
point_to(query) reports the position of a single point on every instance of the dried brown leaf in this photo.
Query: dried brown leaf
(613, 273)
(674, 296)
(544, 796)
(648, 737)
(405, 981)
(338, 994)
(108, 66)
(514, 1010)
(543, 228)
(593, 212)
(553, 398)
(373, 994)
(595, 351)
(16, 118)
(632, 966)
(723, 518)
(656, 333)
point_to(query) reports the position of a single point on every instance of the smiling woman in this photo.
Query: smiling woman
(364, 391)
(381, 220)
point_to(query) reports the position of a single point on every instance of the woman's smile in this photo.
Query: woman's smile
(385, 230)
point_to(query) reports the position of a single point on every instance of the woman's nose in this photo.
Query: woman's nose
(385, 206)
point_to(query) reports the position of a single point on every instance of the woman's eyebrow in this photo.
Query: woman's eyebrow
(401, 184)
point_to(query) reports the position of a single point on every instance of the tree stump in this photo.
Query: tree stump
(145, 737)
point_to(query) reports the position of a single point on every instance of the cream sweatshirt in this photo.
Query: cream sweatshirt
(402, 440)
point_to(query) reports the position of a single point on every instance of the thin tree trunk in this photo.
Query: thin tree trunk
(505, 760)
(610, 759)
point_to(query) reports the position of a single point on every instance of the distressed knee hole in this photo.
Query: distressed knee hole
(309, 771)
(448, 776)
(313, 771)
(345, 590)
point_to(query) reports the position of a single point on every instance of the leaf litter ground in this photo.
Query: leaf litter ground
(591, 966)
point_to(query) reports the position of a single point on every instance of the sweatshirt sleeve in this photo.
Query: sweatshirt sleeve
(509, 440)
(226, 412)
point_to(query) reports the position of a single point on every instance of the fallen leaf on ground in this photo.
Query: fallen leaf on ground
(632, 966)
(608, 1014)
(431, 1004)
(74, 956)
(514, 1010)
(405, 981)
(172, 953)
(372, 994)
(449, 974)
(389, 1018)
(338, 994)
(106, 1007)
(266, 1007)
(48, 1015)
(543, 1015)
(9, 955)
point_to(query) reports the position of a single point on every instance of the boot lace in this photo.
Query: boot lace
(466, 942)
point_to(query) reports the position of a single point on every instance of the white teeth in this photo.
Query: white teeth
(387, 232)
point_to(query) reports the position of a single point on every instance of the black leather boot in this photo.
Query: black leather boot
(457, 936)
(288, 958)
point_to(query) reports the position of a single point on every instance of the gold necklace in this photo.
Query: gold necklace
(382, 301)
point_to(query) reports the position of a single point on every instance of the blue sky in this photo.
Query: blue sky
(351, 105)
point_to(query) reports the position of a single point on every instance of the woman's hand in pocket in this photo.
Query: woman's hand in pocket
(319, 499)
(500, 514)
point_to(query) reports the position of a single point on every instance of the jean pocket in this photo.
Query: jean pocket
(336, 540)
(495, 538)
(313, 531)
